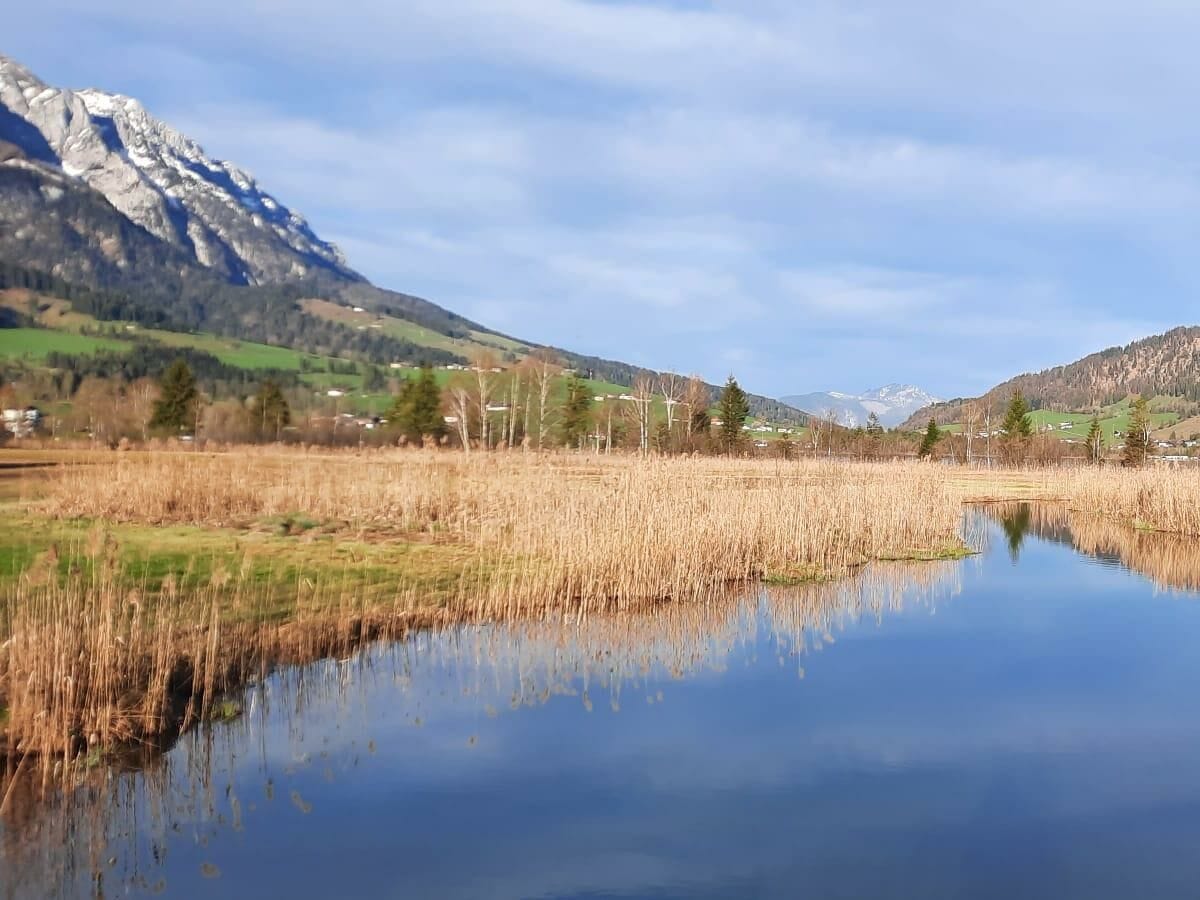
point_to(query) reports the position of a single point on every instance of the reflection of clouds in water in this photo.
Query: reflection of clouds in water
(721, 771)
(444, 704)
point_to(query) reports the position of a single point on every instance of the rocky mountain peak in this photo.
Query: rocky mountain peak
(891, 404)
(162, 180)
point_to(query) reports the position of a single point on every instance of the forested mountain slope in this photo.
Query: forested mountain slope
(1164, 364)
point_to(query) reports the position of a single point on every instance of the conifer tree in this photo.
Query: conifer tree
(417, 410)
(175, 409)
(733, 408)
(1017, 427)
(1018, 423)
(578, 405)
(1095, 440)
(1137, 438)
(929, 442)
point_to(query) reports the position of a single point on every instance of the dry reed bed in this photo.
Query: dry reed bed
(93, 660)
(1163, 499)
(93, 663)
(554, 530)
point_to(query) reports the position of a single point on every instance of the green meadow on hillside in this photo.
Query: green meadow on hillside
(33, 344)
(1073, 426)
(404, 330)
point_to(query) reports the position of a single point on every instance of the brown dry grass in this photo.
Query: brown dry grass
(567, 530)
(1162, 499)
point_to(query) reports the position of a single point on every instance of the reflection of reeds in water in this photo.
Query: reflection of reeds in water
(541, 659)
(1170, 561)
(67, 839)
(95, 658)
(95, 663)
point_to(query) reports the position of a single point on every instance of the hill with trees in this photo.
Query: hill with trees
(1165, 365)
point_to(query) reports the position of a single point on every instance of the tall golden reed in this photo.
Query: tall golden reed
(555, 530)
(92, 658)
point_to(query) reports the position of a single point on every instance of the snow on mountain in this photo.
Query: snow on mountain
(892, 403)
(162, 180)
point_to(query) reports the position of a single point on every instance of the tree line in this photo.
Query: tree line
(540, 404)
(1016, 442)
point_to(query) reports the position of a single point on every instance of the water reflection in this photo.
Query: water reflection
(1170, 561)
(1016, 524)
(305, 730)
(1035, 737)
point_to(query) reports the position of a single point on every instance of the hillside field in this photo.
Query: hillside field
(1113, 419)
(33, 344)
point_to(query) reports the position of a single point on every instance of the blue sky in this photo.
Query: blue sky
(811, 195)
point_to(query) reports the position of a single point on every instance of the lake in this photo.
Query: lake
(1022, 723)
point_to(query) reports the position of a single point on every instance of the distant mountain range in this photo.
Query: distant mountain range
(892, 404)
(1165, 364)
(97, 192)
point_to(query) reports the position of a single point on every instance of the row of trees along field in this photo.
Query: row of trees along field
(1015, 441)
(536, 404)
(539, 404)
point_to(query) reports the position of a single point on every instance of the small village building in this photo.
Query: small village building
(22, 421)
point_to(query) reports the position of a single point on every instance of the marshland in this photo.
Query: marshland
(177, 625)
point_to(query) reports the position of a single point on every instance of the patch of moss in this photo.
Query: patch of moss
(920, 554)
(225, 711)
(291, 525)
(794, 575)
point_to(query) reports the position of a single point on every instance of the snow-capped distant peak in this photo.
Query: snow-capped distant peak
(891, 404)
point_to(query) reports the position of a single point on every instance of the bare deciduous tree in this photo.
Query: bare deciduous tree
(142, 395)
(516, 388)
(970, 420)
(94, 409)
(671, 386)
(829, 423)
(696, 398)
(545, 368)
(642, 397)
(461, 404)
(485, 368)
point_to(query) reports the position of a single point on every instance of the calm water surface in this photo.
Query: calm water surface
(1025, 723)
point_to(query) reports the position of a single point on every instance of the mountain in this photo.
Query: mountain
(1165, 364)
(97, 193)
(159, 179)
(54, 222)
(892, 403)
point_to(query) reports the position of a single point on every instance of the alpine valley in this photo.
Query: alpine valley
(110, 208)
